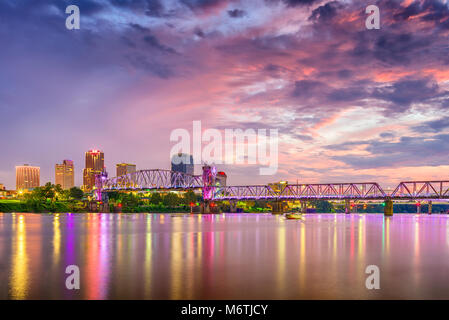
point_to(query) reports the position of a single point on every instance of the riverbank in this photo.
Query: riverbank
(77, 206)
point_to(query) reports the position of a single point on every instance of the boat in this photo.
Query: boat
(297, 216)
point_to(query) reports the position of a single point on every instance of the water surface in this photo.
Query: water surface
(228, 256)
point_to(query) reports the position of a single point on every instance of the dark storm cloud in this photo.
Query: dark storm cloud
(433, 126)
(400, 48)
(346, 145)
(303, 137)
(153, 8)
(387, 135)
(427, 10)
(272, 67)
(306, 88)
(409, 151)
(344, 74)
(153, 42)
(412, 10)
(199, 32)
(399, 95)
(155, 68)
(406, 91)
(348, 94)
(201, 4)
(325, 12)
(139, 28)
(294, 3)
(236, 13)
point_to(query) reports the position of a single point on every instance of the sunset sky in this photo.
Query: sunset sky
(350, 104)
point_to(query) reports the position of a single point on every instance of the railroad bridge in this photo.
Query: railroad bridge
(157, 179)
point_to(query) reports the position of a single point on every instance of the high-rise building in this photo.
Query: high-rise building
(65, 174)
(220, 179)
(94, 165)
(2, 186)
(182, 162)
(27, 177)
(125, 168)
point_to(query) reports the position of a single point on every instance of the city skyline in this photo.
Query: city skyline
(78, 178)
(65, 174)
(350, 104)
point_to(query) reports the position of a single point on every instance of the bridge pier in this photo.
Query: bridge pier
(347, 206)
(278, 207)
(303, 206)
(430, 207)
(98, 206)
(208, 207)
(233, 206)
(205, 208)
(388, 208)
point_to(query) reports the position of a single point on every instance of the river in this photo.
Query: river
(226, 256)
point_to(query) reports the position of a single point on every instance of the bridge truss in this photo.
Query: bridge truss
(153, 179)
(421, 190)
(168, 180)
(334, 191)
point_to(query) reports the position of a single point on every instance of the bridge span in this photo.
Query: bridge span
(157, 179)
(409, 190)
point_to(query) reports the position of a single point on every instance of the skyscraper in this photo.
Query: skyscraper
(182, 162)
(27, 177)
(94, 165)
(65, 174)
(220, 179)
(125, 168)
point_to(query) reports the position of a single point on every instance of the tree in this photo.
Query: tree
(323, 206)
(59, 192)
(129, 201)
(189, 197)
(47, 191)
(171, 200)
(155, 198)
(76, 193)
(42, 193)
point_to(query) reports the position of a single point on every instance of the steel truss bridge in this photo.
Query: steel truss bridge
(153, 179)
(409, 190)
(157, 179)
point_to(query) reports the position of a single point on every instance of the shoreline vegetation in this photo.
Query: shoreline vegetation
(52, 199)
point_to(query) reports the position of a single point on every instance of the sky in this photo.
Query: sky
(350, 104)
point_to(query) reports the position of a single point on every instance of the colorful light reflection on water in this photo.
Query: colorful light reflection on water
(228, 256)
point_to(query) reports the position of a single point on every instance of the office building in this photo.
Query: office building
(182, 162)
(125, 168)
(65, 174)
(94, 166)
(27, 177)
(220, 179)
